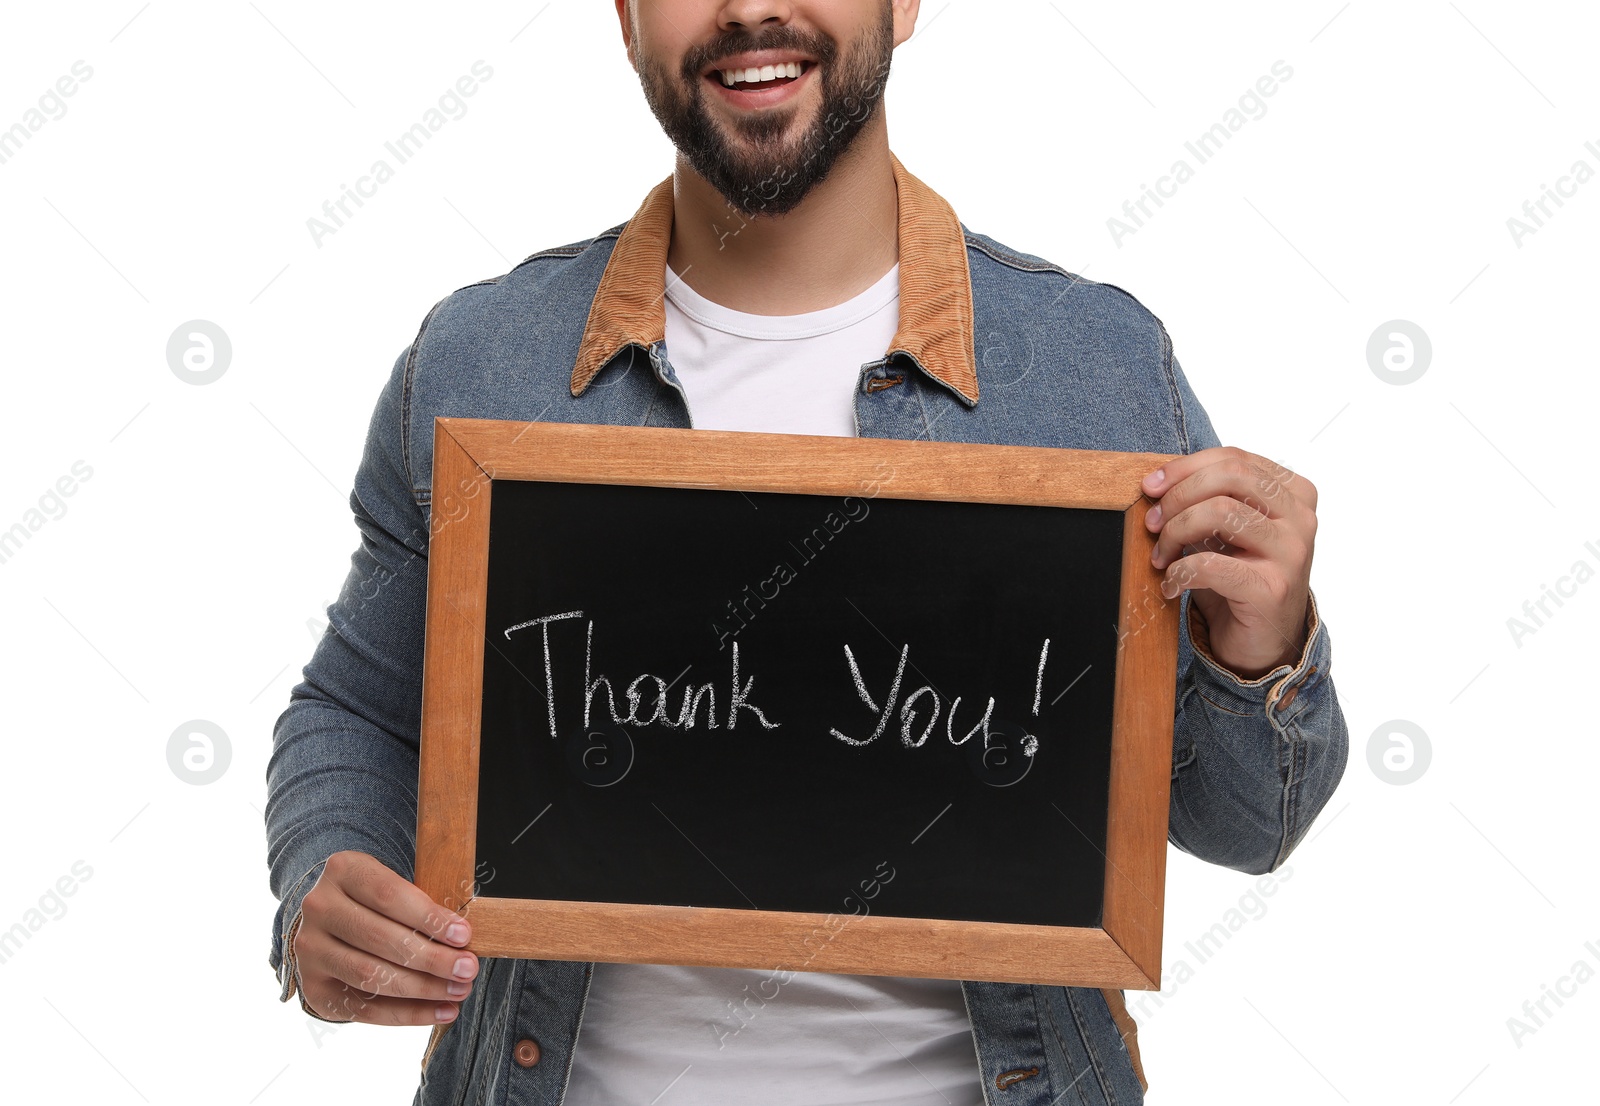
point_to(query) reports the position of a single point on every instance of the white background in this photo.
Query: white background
(188, 577)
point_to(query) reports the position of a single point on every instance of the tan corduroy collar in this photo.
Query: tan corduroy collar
(935, 288)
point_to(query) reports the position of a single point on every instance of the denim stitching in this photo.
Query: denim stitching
(496, 1033)
(405, 414)
(1043, 1018)
(1022, 264)
(922, 406)
(571, 249)
(577, 1030)
(407, 381)
(1225, 710)
(1088, 1042)
(566, 252)
(1050, 1017)
(1186, 751)
(661, 388)
(1005, 257)
(1172, 387)
(1291, 802)
(1189, 759)
(469, 1052)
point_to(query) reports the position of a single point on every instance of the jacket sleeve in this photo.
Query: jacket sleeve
(1253, 761)
(343, 770)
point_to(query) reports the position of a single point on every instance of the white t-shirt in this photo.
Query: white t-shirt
(785, 374)
(675, 1036)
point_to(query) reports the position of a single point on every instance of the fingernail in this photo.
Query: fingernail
(444, 1012)
(1156, 479)
(1169, 588)
(1152, 517)
(464, 968)
(456, 933)
(457, 988)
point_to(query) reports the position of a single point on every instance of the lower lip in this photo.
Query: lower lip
(767, 96)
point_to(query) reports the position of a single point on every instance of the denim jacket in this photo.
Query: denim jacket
(993, 346)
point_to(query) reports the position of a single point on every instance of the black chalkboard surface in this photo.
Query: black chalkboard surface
(783, 793)
(764, 700)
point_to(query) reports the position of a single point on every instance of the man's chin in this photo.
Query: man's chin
(765, 180)
(769, 138)
(758, 197)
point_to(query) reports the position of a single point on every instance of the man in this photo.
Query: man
(791, 275)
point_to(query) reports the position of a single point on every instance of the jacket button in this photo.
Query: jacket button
(526, 1054)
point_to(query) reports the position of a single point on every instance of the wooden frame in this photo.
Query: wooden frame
(469, 454)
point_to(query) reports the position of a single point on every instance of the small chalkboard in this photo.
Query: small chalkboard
(804, 703)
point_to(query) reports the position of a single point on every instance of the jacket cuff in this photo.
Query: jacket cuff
(1281, 692)
(282, 958)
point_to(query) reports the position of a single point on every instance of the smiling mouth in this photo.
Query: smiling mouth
(758, 77)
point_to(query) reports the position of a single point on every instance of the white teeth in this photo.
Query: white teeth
(760, 75)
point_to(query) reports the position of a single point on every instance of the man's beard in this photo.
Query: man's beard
(771, 176)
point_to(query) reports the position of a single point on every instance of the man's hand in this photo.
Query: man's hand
(1237, 530)
(373, 947)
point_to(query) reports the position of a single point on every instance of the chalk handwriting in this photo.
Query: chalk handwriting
(645, 697)
(643, 708)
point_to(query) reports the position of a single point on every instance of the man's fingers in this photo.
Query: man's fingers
(373, 975)
(365, 947)
(1247, 477)
(1229, 577)
(1218, 525)
(327, 957)
(373, 884)
(365, 929)
(344, 1004)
